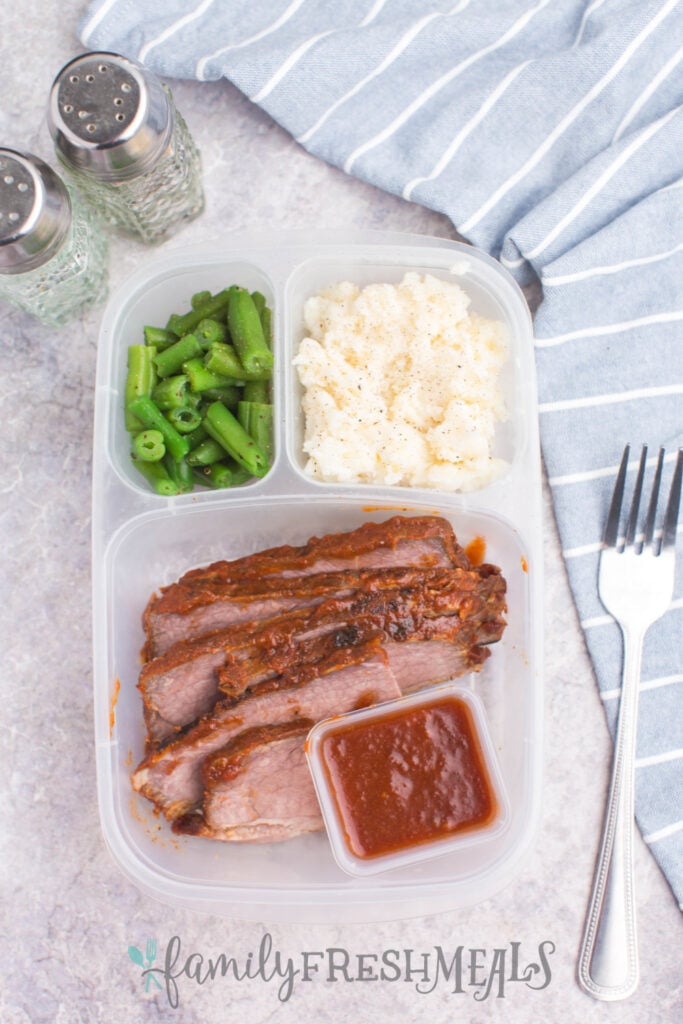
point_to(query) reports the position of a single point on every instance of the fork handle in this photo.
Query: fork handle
(608, 960)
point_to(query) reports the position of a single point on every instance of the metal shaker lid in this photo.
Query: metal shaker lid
(35, 212)
(109, 116)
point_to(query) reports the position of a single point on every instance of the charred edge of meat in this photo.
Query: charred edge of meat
(190, 824)
(185, 598)
(271, 632)
(185, 595)
(291, 657)
(364, 538)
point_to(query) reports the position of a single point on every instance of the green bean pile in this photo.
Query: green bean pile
(197, 396)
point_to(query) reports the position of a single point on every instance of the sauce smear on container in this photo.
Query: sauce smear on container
(414, 775)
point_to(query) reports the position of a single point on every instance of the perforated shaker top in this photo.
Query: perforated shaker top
(35, 212)
(109, 116)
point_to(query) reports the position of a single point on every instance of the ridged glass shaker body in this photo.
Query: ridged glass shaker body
(53, 254)
(124, 144)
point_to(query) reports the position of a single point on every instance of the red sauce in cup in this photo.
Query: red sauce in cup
(414, 775)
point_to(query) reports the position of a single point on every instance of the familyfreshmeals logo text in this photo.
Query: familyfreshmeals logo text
(481, 973)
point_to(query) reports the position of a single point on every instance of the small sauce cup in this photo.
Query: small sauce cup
(407, 780)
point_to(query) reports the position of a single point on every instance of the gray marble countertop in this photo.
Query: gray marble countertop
(69, 915)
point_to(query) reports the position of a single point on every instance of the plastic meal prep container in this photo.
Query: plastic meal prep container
(142, 541)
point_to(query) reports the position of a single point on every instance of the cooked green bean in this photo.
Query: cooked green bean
(149, 446)
(180, 473)
(247, 333)
(255, 391)
(223, 359)
(213, 307)
(140, 380)
(209, 331)
(155, 474)
(218, 475)
(257, 420)
(228, 395)
(195, 437)
(240, 476)
(225, 429)
(159, 337)
(182, 384)
(200, 299)
(185, 420)
(145, 409)
(172, 359)
(205, 453)
(171, 393)
(267, 325)
(202, 378)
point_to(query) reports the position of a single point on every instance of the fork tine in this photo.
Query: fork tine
(671, 517)
(654, 498)
(612, 524)
(635, 504)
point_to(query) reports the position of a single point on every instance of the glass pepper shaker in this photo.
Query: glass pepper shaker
(122, 141)
(53, 256)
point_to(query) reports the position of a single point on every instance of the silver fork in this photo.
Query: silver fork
(636, 579)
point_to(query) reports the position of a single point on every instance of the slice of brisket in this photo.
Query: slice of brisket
(464, 608)
(189, 609)
(257, 788)
(351, 678)
(459, 606)
(425, 541)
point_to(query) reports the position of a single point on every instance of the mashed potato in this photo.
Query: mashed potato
(401, 386)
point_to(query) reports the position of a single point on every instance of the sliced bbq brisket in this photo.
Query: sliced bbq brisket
(463, 608)
(243, 656)
(351, 678)
(185, 611)
(257, 788)
(425, 541)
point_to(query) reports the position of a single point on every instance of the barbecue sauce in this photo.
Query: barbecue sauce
(412, 776)
(476, 550)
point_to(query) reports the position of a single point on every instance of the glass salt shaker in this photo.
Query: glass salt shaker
(53, 256)
(124, 144)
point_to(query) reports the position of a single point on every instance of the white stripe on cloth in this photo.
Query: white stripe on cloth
(584, 21)
(590, 549)
(663, 758)
(647, 93)
(268, 30)
(97, 17)
(172, 29)
(428, 93)
(601, 330)
(596, 474)
(663, 833)
(287, 66)
(650, 684)
(372, 13)
(405, 41)
(607, 620)
(466, 226)
(467, 129)
(590, 401)
(553, 280)
(590, 193)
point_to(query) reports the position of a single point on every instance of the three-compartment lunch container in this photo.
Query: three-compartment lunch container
(142, 541)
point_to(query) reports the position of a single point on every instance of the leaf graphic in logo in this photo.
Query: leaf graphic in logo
(136, 956)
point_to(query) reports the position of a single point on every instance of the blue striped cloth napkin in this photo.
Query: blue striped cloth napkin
(551, 133)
